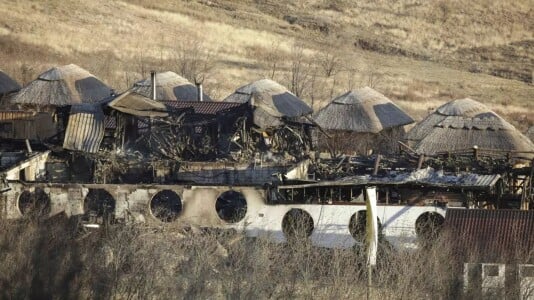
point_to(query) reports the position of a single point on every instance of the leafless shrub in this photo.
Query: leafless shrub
(54, 259)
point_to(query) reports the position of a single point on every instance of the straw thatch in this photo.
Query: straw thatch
(362, 110)
(272, 102)
(530, 133)
(360, 122)
(61, 86)
(463, 124)
(7, 84)
(169, 86)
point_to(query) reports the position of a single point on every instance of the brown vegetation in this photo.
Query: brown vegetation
(54, 259)
(420, 53)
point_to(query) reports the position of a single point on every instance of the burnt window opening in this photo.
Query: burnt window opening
(428, 226)
(166, 206)
(231, 206)
(297, 224)
(99, 207)
(358, 224)
(322, 195)
(34, 204)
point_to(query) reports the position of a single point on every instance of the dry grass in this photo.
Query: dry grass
(54, 259)
(421, 53)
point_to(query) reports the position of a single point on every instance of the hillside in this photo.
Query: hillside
(419, 53)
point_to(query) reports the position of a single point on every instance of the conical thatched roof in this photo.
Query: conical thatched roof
(7, 84)
(462, 124)
(272, 102)
(65, 85)
(169, 86)
(362, 110)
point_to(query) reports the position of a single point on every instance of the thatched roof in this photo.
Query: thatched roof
(362, 110)
(65, 85)
(169, 86)
(530, 133)
(272, 102)
(7, 84)
(462, 124)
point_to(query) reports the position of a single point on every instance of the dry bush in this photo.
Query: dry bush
(54, 259)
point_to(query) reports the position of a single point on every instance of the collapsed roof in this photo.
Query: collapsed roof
(61, 86)
(169, 86)
(139, 105)
(7, 84)
(362, 110)
(272, 102)
(465, 123)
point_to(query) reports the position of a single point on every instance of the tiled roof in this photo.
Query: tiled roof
(491, 235)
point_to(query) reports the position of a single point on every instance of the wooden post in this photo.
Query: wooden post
(377, 164)
(420, 161)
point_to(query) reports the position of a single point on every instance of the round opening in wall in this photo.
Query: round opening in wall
(297, 224)
(166, 205)
(428, 225)
(231, 206)
(99, 207)
(34, 204)
(358, 224)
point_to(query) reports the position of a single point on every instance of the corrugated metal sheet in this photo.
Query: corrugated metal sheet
(85, 129)
(491, 235)
(207, 108)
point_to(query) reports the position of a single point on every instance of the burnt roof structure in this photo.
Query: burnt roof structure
(491, 235)
(136, 104)
(465, 123)
(7, 84)
(169, 86)
(62, 86)
(272, 102)
(362, 110)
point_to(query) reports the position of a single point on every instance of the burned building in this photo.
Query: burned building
(280, 120)
(41, 109)
(361, 121)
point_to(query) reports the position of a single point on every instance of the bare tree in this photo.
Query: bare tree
(300, 71)
(193, 59)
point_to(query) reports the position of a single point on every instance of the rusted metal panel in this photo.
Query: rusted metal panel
(491, 235)
(85, 129)
(207, 108)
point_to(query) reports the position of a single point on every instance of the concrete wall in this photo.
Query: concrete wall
(132, 204)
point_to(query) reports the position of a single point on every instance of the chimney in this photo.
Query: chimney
(200, 94)
(153, 82)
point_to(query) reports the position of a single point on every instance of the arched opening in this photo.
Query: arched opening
(297, 224)
(166, 205)
(358, 224)
(34, 204)
(99, 207)
(428, 225)
(231, 206)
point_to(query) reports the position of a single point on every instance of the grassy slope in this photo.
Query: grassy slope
(420, 53)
